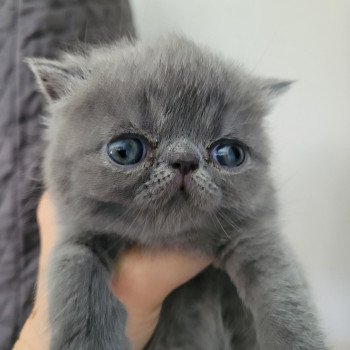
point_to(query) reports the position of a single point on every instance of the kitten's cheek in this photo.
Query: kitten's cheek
(209, 199)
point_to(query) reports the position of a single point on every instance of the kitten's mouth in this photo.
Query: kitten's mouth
(183, 190)
(182, 194)
(182, 187)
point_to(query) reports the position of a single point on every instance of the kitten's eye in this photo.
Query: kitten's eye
(126, 151)
(228, 154)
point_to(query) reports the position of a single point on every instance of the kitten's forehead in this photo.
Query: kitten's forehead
(168, 90)
(179, 100)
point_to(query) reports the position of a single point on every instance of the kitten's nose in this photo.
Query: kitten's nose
(185, 166)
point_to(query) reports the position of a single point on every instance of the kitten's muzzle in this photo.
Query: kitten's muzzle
(183, 169)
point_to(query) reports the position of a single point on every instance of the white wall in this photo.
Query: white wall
(308, 41)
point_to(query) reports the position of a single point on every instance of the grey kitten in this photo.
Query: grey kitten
(163, 145)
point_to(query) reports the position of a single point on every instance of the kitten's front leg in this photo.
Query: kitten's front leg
(84, 314)
(272, 286)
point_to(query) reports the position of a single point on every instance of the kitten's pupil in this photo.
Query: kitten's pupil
(122, 153)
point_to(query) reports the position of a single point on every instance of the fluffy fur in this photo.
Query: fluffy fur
(181, 99)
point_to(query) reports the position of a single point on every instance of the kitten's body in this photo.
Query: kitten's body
(182, 100)
(205, 313)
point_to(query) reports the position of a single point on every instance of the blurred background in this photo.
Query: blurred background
(310, 127)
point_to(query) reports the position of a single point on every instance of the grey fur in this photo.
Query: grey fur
(181, 98)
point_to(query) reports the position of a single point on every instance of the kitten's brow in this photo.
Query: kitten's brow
(132, 128)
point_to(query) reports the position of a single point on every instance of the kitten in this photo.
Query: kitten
(162, 145)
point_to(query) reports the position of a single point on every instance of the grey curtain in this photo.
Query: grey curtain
(34, 28)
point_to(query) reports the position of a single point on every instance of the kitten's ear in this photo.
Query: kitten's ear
(54, 78)
(273, 88)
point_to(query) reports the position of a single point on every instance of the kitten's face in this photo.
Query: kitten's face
(156, 142)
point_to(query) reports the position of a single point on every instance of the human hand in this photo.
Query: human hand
(141, 280)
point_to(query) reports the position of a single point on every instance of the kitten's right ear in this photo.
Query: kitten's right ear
(274, 88)
(54, 78)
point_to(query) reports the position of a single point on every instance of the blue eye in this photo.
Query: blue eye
(126, 151)
(228, 154)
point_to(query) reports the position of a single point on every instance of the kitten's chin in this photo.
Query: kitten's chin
(178, 216)
(181, 198)
(175, 228)
(192, 204)
(182, 205)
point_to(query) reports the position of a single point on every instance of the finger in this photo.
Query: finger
(149, 276)
(36, 333)
(170, 261)
(47, 230)
(47, 225)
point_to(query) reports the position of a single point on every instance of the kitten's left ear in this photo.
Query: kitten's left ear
(273, 88)
(55, 78)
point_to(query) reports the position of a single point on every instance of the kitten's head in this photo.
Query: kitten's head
(155, 141)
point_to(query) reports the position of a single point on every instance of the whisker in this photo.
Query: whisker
(228, 221)
(218, 227)
(222, 227)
